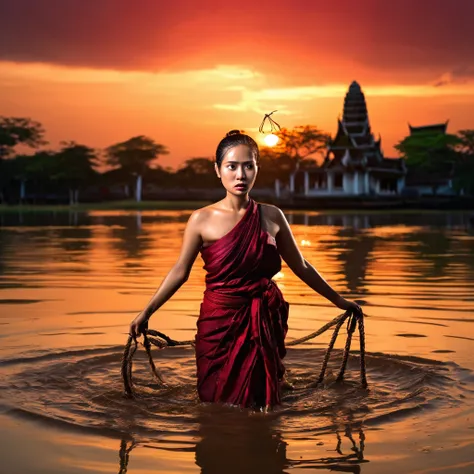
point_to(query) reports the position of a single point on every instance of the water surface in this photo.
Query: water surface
(70, 283)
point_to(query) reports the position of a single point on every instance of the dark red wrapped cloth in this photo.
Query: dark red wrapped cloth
(243, 319)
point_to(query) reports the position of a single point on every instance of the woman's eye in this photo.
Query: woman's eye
(250, 167)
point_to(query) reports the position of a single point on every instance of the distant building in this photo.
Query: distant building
(354, 164)
(434, 128)
(423, 183)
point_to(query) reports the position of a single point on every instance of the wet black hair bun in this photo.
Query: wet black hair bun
(235, 138)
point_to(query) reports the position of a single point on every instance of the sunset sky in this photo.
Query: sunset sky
(185, 72)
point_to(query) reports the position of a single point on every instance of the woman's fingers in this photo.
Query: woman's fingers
(138, 326)
(134, 330)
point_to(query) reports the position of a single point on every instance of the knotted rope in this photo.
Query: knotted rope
(354, 318)
(273, 125)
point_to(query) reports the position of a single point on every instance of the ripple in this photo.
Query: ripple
(19, 301)
(460, 337)
(82, 389)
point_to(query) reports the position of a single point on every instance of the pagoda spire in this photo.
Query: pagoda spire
(353, 130)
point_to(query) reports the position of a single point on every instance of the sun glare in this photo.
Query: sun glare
(271, 140)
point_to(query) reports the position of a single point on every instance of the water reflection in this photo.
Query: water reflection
(431, 245)
(131, 242)
(436, 243)
(235, 445)
(126, 447)
(70, 287)
(446, 220)
(353, 249)
(76, 242)
(80, 218)
(238, 443)
(435, 249)
(420, 247)
(358, 221)
(37, 240)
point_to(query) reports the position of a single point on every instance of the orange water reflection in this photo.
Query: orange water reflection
(76, 280)
(415, 279)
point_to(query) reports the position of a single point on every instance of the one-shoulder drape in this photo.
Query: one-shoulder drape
(243, 318)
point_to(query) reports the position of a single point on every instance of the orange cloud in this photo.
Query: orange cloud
(185, 73)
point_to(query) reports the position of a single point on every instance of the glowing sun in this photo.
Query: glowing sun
(271, 140)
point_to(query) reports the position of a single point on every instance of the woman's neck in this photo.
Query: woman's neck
(236, 202)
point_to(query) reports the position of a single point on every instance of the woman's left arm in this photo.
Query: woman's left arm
(291, 254)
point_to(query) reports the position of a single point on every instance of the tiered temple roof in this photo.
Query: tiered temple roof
(417, 177)
(354, 146)
(434, 128)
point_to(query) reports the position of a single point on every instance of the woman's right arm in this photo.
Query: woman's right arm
(178, 274)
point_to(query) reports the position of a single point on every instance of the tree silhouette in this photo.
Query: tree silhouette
(75, 167)
(430, 151)
(22, 171)
(15, 131)
(135, 156)
(272, 166)
(436, 153)
(464, 171)
(301, 142)
(466, 142)
(198, 173)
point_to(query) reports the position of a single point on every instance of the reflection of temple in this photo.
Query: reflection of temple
(356, 257)
(354, 164)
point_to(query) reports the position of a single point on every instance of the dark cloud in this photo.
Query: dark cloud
(430, 35)
(459, 75)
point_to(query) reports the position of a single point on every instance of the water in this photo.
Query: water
(71, 283)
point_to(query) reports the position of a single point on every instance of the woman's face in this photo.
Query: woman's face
(238, 170)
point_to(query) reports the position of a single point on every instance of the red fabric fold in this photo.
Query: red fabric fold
(243, 318)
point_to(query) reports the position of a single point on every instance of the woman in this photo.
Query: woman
(243, 317)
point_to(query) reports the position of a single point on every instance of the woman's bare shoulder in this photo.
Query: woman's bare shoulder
(271, 212)
(202, 215)
(272, 219)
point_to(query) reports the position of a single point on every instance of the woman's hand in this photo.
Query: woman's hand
(349, 305)
(138, 325)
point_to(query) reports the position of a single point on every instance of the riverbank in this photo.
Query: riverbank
(106, 205)
(385, 203)
(356, 204)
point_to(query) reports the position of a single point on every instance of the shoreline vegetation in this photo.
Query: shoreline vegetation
(122, 205)
(330, 205)
(438, 166)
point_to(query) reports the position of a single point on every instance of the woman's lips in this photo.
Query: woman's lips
(240, 186)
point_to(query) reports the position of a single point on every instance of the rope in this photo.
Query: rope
(351, 326)
(363, 375)
(328, 351)
(154, 371)
(150, 336)
(126, 367)
(273, 125)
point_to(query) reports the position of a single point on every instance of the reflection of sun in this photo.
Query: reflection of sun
(271, 140)
(388, 231)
